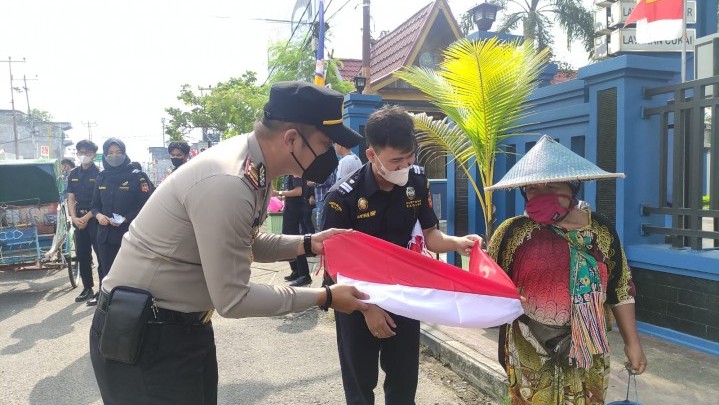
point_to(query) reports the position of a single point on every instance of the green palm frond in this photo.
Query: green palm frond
(482, 88)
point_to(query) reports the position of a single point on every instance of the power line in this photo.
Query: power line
(288, 42)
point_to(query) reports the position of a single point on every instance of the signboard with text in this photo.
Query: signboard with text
(613, 38)
(619, 11)
(624, 40)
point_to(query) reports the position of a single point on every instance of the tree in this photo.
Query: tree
(538, 17)
(482, 88)
(230, 108)
(296, 61)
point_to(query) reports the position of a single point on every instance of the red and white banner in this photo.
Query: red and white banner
(419, 287)
(657, 20)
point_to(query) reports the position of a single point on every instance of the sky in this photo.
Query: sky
(112, 68)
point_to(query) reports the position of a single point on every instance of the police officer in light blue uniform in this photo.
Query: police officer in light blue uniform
(121, 191)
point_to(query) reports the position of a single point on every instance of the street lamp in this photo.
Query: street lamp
(360, 83)
(484, 15)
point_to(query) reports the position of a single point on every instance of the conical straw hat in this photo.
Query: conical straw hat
(551, 162)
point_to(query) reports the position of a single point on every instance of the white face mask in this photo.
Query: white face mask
(398, 177)
(85, 160)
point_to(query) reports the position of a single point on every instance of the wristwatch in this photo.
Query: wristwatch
(307, 241)
(280, 193)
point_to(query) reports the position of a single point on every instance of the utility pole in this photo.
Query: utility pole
(204, 128)
(9, 62)
(163, 131)
(89, 128)
(29, 112)
(365, 44)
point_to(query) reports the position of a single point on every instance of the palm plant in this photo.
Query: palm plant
(538, 17)
(482, 88)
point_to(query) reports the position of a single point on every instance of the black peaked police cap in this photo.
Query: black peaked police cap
(311, 104)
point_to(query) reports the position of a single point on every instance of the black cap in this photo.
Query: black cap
(311, 104)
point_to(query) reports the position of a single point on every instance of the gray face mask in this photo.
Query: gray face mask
(115, 160)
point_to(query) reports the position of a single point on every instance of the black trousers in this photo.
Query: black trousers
(177, 366)
(291, 219)
(85, 242)
(106, 256)
(359, 351)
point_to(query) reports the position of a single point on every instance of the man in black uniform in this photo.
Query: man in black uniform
(80, 186)
(291, 220)
(385, 198)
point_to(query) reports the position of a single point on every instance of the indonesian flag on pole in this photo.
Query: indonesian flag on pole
(657, 20)
(419, 287)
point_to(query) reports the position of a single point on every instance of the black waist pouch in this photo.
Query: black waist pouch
(125, 324)
(557, 340)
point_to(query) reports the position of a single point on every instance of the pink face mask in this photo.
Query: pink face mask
(546, 208)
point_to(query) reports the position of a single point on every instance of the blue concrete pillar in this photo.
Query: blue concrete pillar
(357, 107)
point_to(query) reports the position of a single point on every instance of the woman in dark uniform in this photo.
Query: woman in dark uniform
(121, 191)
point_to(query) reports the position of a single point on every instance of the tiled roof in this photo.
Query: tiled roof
(390, 52)
(350, 68)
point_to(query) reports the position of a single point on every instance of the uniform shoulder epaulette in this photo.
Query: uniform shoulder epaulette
(136, 171)
(418, 169)
(348, 185)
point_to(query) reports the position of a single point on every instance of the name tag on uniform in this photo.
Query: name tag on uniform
(102, 188)
(124, 188)
(74, 179)
(367, 214)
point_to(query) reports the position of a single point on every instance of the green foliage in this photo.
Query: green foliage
(537, 18)
(296, 61)
(230, 108)
(39, 116)
(482, 88)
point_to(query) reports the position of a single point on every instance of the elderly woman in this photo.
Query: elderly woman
(568, 263)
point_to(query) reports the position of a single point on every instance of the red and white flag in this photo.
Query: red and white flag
(657, 20)
(419, 287)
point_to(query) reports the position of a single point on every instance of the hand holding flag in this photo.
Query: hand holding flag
(419, 287)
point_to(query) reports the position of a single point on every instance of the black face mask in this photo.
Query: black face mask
(177, 162)
(320, 169)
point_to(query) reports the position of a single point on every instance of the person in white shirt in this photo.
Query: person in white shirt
(349, 162)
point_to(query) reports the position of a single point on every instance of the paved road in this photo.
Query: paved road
(282, 360)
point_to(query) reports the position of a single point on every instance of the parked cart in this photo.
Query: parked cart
(35, 227)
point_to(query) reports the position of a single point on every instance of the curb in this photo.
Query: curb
(488, 377)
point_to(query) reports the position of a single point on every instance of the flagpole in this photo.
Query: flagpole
(684, 41)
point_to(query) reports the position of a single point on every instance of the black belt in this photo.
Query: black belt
(161, 315)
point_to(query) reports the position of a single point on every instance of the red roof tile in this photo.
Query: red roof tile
(390, 52)
(350, 68)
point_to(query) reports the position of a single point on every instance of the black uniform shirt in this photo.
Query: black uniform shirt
(123, 194)
(81, 182)
(292, 182)
(360, 204)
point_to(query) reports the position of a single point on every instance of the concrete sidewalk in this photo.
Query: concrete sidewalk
(675, 375)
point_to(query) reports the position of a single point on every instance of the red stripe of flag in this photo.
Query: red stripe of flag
(655, 10)
(363, 257)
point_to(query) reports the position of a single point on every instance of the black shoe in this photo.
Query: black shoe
(292, 277)
(85, 295)
(301, 281)
(93, 301)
